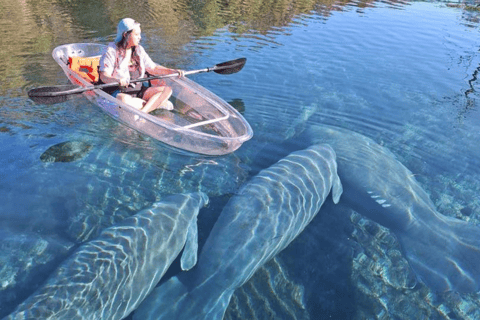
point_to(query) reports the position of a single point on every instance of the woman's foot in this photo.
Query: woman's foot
(167, 105)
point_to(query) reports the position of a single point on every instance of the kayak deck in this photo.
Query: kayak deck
(200, 122)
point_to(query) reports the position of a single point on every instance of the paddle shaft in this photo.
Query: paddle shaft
(114, 84)
(228, 67)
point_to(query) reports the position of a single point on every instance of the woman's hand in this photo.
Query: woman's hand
(123, 83)
(181, 73)
(108, 78)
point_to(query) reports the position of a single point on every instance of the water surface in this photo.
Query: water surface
(402, 73)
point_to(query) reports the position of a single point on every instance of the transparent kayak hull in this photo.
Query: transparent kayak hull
(215, 129)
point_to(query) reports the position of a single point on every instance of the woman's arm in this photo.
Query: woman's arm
(155, 69)
(161, 71)
(106, 77)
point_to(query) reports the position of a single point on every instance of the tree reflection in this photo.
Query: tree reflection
(32, 29)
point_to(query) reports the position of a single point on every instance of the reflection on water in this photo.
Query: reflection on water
(32, 29)
(403, 73)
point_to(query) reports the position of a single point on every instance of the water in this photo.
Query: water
(402, 73)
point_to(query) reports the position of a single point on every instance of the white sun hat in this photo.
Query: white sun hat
(125, 25)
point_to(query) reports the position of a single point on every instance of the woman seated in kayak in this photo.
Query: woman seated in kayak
(126, 60)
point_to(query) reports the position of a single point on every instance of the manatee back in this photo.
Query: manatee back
(291, 192)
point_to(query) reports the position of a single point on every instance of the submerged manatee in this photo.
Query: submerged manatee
(257, 223)
(444, 252)
(108, 277)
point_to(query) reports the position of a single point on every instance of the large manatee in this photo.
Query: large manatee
(257, 223)
(444, 252)
(108, 277)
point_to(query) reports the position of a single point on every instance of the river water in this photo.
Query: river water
(403, 73)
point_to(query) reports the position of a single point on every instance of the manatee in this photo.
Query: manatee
(258, 222)
(108, 277)
(443, 252)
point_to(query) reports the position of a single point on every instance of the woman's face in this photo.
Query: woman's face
(134, 37)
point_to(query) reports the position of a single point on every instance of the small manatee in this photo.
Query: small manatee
(66, 152)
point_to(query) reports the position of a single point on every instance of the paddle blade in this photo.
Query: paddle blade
(230, 67)
(50, 95)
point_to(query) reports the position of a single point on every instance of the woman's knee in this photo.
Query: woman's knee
(137, 103)
(150, 92)
(124, 97)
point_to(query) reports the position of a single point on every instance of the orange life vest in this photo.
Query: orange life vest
(86, 67)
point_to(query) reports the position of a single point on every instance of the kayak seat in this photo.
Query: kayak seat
(86, 67)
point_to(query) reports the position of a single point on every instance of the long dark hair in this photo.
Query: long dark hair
(122, 47)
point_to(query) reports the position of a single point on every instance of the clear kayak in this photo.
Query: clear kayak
(200, 122)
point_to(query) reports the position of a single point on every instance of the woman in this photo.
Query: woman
(125, 60)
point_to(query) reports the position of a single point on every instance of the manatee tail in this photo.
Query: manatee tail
(172, 300)
(445, 254)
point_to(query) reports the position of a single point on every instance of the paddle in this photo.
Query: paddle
(56, 94)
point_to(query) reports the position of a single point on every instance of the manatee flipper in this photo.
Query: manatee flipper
(445, 255)
(337, 188)
(189, 256)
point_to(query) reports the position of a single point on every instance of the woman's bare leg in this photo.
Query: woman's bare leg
(155, 97)
(137, 103)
